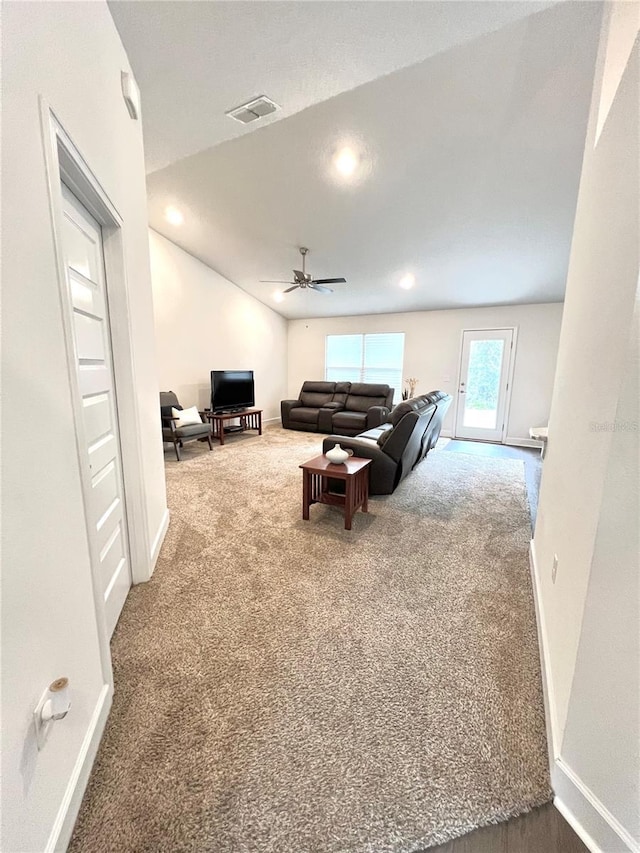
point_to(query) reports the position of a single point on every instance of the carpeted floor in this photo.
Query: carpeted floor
(291, 687)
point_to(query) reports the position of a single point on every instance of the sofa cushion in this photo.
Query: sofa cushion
(315, 398)
(361, 403)
(368, 389)
(384, 437)
(375, 432)
(399, 412)
(341, 392)
(168, 399)
(192, 429)
(186, 417)
(319, 385)
(317, 393)
(165, 411)
(305, 415)
(415, 404)
(349, 420)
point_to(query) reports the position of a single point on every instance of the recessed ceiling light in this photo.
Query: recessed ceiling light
(173, 216)
(407, 281)
(278, 296)
(346, 161)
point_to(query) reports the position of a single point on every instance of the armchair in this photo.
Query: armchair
(175, 434)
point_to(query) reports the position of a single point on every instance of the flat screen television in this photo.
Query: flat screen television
(232, 390)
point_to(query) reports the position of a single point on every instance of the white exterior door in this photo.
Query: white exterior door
(484, 384)
(84, 263)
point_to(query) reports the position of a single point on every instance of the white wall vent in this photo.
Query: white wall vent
(253, 110)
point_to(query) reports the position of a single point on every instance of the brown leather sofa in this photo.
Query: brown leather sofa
(397, 446)
(347, 408)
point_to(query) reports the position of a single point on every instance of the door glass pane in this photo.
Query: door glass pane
(483, 384)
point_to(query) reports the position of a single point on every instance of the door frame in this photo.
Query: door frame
(65, 163)
(510, 375)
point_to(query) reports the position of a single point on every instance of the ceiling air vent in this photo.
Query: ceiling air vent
(254, 110)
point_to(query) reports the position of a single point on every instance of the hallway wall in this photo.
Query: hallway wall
(70, 55)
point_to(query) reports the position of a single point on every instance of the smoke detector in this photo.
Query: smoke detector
(253, 110)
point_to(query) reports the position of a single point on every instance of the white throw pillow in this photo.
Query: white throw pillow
(185, 417)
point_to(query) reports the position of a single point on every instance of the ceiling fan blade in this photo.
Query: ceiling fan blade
(329, 281)
(289, 289)
(319, 287)
(274, 281)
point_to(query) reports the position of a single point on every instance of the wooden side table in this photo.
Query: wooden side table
(316, 474)
(249, 419)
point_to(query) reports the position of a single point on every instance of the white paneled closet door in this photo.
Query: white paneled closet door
(84, 262)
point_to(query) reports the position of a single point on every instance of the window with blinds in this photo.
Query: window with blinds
(373, 358)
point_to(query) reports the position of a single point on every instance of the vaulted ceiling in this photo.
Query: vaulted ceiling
(468, 121)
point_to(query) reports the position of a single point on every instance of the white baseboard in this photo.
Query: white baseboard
(591, 820)
(589, 817)
(511, 440)
(545, 663)
(158, 540)
(275, 420)
(62, 830)
(514, 441)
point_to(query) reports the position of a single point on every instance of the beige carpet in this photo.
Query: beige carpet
(291, 687)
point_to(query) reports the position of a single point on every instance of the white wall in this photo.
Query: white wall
(204, 323)
(69, 53)
(588, 510)
(432, 352)
(602, 733)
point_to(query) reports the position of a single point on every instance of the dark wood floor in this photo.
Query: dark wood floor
(529, 455)
(542, 830)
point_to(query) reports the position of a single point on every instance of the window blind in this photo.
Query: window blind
(376, 358)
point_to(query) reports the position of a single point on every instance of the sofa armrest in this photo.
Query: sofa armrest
(285, 411)
(383, 469)
(325, 416)
(376, 415)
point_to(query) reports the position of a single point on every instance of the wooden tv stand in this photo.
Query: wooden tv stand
(249, 419)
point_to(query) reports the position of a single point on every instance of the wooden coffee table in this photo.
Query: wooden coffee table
(316, 474)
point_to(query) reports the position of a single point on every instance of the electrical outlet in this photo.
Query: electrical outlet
(554, 570)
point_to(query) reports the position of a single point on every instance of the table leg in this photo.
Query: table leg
(365, 489)
(348, 503)
(221, 430)
(306, 478)
(259, 416)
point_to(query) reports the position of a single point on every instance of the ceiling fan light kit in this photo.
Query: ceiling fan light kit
(302, 279)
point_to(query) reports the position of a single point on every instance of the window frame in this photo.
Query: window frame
(363, 366)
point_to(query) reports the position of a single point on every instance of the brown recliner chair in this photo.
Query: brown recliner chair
(304, 413)
(367, 406)
(178, 435)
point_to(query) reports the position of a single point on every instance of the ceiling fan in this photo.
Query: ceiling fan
(302, 278)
